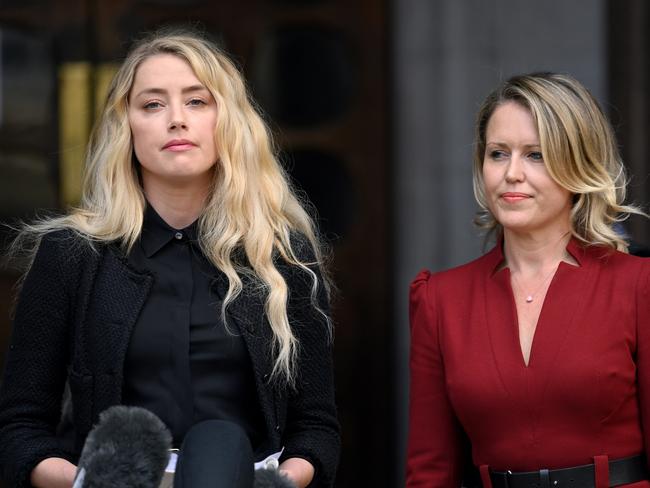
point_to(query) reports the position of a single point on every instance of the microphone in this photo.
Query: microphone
(271, 478)
(129, 448)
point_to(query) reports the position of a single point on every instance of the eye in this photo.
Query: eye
(536, 156)
(152, 105)
(497, 154)
(196, 102)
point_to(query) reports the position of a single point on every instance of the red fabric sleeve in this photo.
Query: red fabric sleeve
(643, 352)
(434, 443)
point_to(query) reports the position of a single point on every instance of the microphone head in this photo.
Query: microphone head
(129, 447)
(271, 478)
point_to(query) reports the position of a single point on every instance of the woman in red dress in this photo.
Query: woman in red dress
(538, 352)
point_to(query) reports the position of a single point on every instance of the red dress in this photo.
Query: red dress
(585, 392)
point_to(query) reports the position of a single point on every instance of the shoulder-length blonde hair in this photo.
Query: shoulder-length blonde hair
(252, 207)
(579, 150)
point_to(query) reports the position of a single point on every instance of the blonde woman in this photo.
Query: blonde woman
(538, 352)
(188, 281)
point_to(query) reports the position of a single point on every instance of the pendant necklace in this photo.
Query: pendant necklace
(531, 296)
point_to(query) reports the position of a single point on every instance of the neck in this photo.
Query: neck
(528, 254)
(179, 206)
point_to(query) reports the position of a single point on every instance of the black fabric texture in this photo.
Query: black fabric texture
(75, 314)
(182, 363)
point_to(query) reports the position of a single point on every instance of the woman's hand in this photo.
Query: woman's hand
(298, 470)
(53, 473)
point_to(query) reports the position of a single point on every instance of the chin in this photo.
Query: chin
(512, 221)
(186, 172)
(517, 226)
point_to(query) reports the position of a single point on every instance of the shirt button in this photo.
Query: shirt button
(178, 236)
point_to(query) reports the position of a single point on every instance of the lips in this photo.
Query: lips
(514, 197)
(179, 145)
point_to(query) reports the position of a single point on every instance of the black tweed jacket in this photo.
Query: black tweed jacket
(72, 326)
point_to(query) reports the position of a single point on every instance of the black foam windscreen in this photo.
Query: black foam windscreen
(129, 448)
(271, 478)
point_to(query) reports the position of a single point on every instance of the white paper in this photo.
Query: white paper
(171, 465)
(270, 462)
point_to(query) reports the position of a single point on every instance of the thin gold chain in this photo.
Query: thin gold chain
(529, 297)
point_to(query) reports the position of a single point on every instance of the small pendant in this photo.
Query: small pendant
(529, 298)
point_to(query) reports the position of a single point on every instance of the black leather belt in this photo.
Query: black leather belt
(621, 472)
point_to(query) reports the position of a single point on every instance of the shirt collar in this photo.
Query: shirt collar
(156, 233)
(496, 257)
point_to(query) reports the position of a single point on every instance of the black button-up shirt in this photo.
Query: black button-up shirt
(182, 363)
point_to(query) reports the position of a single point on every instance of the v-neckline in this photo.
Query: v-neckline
(553, 324)
(525, 385)
(540, 316)
(555, 291)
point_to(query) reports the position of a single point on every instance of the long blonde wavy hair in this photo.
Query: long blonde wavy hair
(252, 207)
(579, 150)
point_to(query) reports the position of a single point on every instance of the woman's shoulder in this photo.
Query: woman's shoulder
(300, 274)
(65, 243)
(302, 247)
(304, 253)
(459, 274)
(619, 269)
(629, 265)
(64, 252)
(616, 261)
(63, 237)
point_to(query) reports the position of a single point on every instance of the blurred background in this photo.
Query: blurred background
(372, 103)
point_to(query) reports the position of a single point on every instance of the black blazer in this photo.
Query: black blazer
(73, 322)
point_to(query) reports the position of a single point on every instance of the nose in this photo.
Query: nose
(515, 170)
(176, 119)
(176, 124)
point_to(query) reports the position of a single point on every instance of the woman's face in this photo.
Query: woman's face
(172, 117)
(521, 194)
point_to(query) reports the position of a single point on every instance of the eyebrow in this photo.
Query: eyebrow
(503, 144)
(162, 91)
